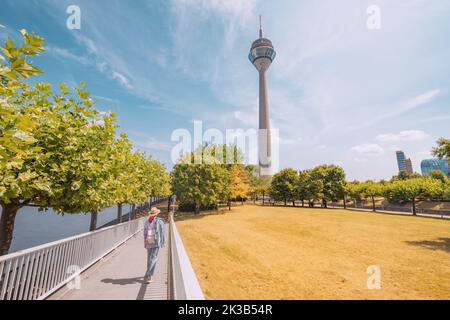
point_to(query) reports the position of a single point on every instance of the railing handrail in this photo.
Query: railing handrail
(183, 280)
(38, 272)
(58, 242)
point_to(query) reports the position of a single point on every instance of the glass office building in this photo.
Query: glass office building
(429, 165)
(401, 161)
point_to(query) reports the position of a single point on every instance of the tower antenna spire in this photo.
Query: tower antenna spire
(260, 27)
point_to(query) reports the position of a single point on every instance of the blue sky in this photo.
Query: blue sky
(339, 92)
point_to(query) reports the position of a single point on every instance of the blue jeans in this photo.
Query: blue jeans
(152, 257)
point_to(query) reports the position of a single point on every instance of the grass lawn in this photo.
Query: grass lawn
(256, 252)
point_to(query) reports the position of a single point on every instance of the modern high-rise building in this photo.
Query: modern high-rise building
(403, 163)
(261, 56)
(409, 166)
(430, 165)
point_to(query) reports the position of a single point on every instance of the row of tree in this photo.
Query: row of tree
(57, 151)
(327, 183)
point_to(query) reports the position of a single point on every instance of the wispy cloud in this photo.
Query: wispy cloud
(409, 135)
(370, 149)
(64, 53)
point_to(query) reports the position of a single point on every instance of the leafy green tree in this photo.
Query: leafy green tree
(354, 191)
(200, 184)
(371, 189)
(414, 190)
(333, 182)
(303, 186)
(403, 175)
(284, 186)
(442, 150)
(40, 133)
(439, 175)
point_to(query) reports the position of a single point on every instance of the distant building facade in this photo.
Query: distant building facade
(409, 167)
(403, 163)
(427, 166)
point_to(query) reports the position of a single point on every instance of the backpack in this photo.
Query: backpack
(151, 235)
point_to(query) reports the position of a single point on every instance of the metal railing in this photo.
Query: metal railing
(183, 281)
(36, 273)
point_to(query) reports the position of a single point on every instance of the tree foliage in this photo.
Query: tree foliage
(57, 151)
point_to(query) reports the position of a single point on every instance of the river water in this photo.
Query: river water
(33, 228)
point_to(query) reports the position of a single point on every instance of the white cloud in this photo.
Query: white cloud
(2, 26)
(435, 119)
(371, 149)
(64, 53)
(124, 81)
(409, 135)
(290, 141)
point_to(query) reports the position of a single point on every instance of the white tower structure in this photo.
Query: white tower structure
(261, 56)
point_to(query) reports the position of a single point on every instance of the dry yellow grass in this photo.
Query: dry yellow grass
(293, 253)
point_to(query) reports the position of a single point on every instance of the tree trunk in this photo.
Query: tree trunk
(293, 203)
(9, 212)
(373, 204)
(93, 226)
(132, 213)
(168, 203)
(414, 206)
(303, 203)
(264, 198)
(345, 202)
(324, 203)
(119, 213)
(229, 205)
(285, 202)
(197, 208)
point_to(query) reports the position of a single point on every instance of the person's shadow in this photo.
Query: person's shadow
(128, 281)
(125, 281)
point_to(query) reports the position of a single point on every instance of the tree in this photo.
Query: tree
(200, 184)
(442, 150)
(284, 186)
(404, 175)
(354, 190)
(439, 175)
(413, 190)
(302, 188)
(371, 189)
(333, 182)
(88, 181)
(39, 131)
(239, 182)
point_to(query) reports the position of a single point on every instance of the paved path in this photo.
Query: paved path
(119, 276)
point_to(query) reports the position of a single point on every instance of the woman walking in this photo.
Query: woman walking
(153, 241)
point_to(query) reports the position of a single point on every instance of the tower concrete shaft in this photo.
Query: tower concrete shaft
(261, 56)
(264, 137)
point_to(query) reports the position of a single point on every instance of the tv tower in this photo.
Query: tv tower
(261, 56)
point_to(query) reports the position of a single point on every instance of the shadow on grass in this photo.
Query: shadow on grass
(182, 216)
(439, 244)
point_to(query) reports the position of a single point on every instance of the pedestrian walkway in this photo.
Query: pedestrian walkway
(120, 275)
